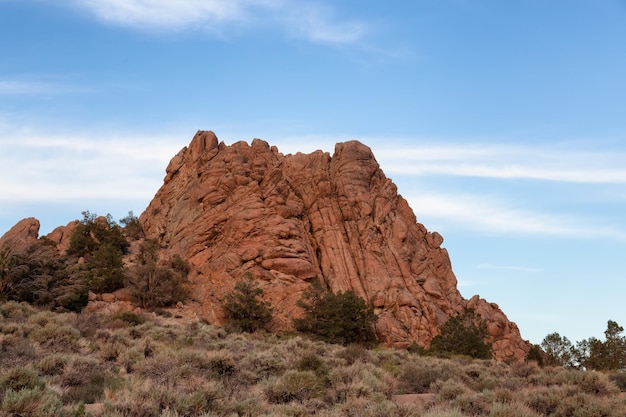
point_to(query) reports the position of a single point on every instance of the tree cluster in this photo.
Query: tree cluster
(590, 354)
(40, 275)
(101, 244)
(341, 317)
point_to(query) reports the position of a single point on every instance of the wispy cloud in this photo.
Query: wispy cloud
(492, 216)
(515, 268)
(43, 167)
(314, 22)
(552, 163)
(318, 25)
(34, 87)
(40, 168)
(165, 13)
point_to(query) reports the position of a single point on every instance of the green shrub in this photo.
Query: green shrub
(341, 318)
(101, 243)
(463, 335)
(16, 311)
(15, 350)
(595, 383)
(152, 285)
(362, 380)
(367, 407)
(585, 405)
(83, 380)
(449, 389)
(511, 410)
(312, 362)
(356, 353)
(243, 308)
(417, 379)
(33, 402)
(264, 364)
(619, 379)
(132, 227)
(221, 363)
(38, 275)
(293, 386)
(52, 364)
(17, 379)
(55, 337)
(128, 318)
(471, 403)
(545, 400)
(444, 411)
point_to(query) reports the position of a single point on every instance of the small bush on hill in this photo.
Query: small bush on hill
(132, 227)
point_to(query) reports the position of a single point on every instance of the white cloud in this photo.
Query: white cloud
(8, 87)
(32, 87)
(40, 168)
(515, 268)
(491, 216)
(51, 168)
(164, 13)
(552, 163)
(317, 25)
(311, 21)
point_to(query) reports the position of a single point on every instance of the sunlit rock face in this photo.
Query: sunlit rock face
(291, 219)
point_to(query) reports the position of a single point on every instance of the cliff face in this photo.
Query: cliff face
(289, 219)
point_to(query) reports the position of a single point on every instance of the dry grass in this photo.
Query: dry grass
(128, 365)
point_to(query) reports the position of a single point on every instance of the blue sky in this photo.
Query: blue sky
(502, 123)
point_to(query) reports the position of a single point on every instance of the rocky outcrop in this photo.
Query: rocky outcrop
(20, 236)
(62, 234)
(290, 219)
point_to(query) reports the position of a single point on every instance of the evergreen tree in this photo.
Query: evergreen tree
(342, 318)
(153, 285)
(559, 351)
(244, 308)
(463, 335)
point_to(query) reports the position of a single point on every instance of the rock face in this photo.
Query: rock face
(61, 236)
(290, 219)
(20, 236)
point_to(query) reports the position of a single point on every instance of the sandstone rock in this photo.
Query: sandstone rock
(61, 236)
(289, 219)
(20, 236)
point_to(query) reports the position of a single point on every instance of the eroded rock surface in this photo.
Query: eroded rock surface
(20, 236)
(290, 219)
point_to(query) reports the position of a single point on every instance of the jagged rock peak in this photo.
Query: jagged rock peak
(290, 219)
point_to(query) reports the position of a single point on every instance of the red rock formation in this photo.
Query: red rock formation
(289, 219)
(62, 234)
(20, 236)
